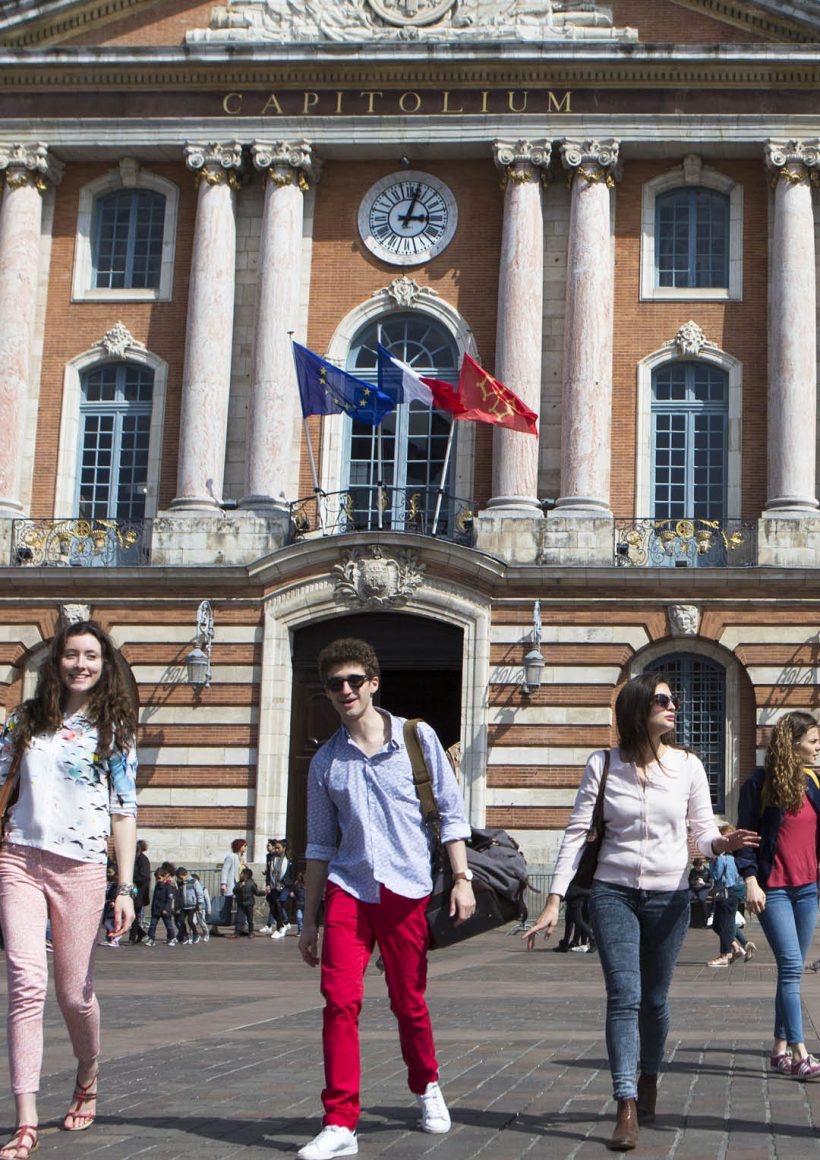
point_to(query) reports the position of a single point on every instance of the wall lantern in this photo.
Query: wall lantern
(198, 660)
(534, 661)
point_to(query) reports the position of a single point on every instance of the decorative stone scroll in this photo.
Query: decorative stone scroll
(523, 161)
(404, 292)
(29, 164)
(593, 160)
(117, 341)
(286, 162)
(285, 21)
(74, 613)
(375, 577)
(793, 161)
(215, 162)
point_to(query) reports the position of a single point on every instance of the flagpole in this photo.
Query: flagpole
(380, 463)
(317, 491)
(440, 495)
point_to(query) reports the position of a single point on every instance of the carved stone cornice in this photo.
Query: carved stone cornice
(592, 160)
(794, 162)
(523, 161)
(286, 163)
(215, 162)
(29, 164)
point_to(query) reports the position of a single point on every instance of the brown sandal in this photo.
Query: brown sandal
(82, 1095)
(22, 1150)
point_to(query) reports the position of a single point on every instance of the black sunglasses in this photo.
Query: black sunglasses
(354, 680)
(665, 701)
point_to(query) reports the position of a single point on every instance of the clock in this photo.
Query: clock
(408, 218)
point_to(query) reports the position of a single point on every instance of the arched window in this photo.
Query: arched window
(692, 238)
(413, 437)
(127, 236)
(115, 428)
(701, 718)
(690, 403)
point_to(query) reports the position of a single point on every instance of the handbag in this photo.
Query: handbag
(584, 874)
(499, 868)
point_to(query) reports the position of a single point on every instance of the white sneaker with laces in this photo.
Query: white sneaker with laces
(278, 934)
(265, 929)
(334, 1140)
(434, 1114)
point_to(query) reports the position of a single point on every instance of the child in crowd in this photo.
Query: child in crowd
(299, 899)
(163, 906)
(108, 908)
(245, 891)
(189, 902)
(203, 910)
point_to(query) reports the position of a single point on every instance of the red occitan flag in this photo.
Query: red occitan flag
(487, 400)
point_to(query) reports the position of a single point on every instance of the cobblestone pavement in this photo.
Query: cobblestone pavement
(213, 1052)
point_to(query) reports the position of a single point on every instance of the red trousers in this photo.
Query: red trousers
(352, 928)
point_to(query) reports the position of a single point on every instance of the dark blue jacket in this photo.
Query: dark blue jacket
(767, 822)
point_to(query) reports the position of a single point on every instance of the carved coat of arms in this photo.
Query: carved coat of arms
(375, 577)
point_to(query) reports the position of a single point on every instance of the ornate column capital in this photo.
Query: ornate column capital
(286, 162)
(523, 161)
(215, 162)
(29, 164)
(793, 161)
(592, 160)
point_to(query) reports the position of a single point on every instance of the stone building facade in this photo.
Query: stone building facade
(613, 209)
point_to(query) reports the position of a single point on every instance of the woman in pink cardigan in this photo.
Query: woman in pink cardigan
(656, 793)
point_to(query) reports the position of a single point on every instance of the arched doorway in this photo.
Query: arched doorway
(421, 662)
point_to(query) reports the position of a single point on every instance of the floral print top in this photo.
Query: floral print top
(68, 792)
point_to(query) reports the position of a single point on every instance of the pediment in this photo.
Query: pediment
(27, 23)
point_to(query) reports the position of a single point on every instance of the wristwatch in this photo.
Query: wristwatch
(127, 889)
(463, 876)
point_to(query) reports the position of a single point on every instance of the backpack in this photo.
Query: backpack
(189, 895)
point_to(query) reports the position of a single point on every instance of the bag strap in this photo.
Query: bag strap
(9, 788)
(596, 825)
(422, 781)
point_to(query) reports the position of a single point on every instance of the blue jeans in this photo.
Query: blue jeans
(639, 935)
(788, 923)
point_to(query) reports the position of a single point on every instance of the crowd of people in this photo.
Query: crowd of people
(68, 770)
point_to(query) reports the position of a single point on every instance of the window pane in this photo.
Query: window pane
(692, 238)
(701, 717)
(115, 416)
(127, 239)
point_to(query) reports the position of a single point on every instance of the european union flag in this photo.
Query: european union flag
(326, 390)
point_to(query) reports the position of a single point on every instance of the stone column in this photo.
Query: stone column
(272, 449)
(792, 399)
(27, 170)
(206, 378)
(586, 404)
(520, 318)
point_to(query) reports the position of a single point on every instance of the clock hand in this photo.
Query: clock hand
(407, 217)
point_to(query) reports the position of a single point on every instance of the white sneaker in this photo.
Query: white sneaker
(280, 934)
(434, 1114)
(265, 929)
(334, 1140)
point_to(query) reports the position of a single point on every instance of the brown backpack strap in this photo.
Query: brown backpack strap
(421, 775)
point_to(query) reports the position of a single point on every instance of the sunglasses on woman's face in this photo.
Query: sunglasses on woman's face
(354, 680)
(665, 701)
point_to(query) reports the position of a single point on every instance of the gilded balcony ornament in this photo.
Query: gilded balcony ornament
(694, 542)
(79, 542)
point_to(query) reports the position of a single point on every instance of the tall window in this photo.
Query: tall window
(701, 717)
(413, 437)
(115, 427)
(689, 441)
(127, 239)
(692, 238)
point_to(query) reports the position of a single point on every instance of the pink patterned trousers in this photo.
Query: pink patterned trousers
(36, 885)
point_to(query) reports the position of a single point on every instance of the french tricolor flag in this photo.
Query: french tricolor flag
(403, 385)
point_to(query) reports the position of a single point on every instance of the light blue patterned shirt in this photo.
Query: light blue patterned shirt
(364, 816)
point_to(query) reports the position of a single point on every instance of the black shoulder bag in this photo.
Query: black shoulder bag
(582, 879)
(499, 868)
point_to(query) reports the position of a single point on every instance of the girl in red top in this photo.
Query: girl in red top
(782, 802)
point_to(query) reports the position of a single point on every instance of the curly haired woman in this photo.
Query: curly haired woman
(781, 801)
(72, 746)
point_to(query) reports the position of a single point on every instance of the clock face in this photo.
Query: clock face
(408, 218)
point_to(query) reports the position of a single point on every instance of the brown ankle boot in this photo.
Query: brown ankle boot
(647, 1095)
(625, 1136)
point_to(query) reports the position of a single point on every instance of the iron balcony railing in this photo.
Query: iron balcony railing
(80, 543)
(424, 511)
(685, 543)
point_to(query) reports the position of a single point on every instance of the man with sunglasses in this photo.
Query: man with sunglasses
(368, 857)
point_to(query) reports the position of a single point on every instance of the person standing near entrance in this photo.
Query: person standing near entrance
(368, 857)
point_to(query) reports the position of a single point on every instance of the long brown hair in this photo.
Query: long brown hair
(632, 714)
(108, 707)
(785, 783)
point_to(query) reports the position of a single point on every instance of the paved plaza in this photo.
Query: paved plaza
(213, 1051)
